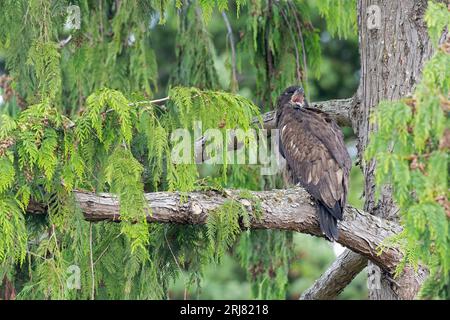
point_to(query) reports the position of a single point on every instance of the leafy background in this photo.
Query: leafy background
(339, 79)
(57, 85)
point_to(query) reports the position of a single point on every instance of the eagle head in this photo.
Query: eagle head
(294, 95)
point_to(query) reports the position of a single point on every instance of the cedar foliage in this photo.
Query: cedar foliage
(81, 118)
(411, 149)
(87, 123)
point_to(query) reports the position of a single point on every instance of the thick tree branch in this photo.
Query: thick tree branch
(331, 283)
(339, 109)
(290, 209)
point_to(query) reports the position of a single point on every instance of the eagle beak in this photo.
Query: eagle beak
(298, 98)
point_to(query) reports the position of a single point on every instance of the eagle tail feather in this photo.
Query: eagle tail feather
(328, 223)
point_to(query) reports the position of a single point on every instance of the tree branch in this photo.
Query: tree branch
(361, 232)
(338, 109)
(290, 209)
(331, 283)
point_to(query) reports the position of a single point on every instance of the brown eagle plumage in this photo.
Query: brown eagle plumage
(316, 156)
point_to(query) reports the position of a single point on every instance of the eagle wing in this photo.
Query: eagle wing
(314, 149)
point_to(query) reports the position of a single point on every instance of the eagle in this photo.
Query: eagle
(316, 157)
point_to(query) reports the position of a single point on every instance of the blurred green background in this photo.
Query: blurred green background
(312, 256)
(340, 77)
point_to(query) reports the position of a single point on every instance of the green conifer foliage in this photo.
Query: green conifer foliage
(339, 22)
(280, 63)
(411, 150)
(86, 122)
(195, 58)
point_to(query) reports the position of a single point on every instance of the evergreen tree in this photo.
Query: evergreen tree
(82, 115)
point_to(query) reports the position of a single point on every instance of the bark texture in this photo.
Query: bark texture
(339, 109)
(290, 209)
(392, 53)
(394, 45)
(331, 283)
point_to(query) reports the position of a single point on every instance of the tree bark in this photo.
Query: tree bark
(7, 290)
(338, 109)
(290, 209)
(394, 46)
(332, 282)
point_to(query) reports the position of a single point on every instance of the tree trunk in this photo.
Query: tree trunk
(394, 45)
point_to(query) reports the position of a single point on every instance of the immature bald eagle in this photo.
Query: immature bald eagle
(316, 156)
